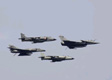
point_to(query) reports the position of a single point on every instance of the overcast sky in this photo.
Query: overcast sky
(74, 19)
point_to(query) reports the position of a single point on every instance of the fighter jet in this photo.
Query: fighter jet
(55, 58)
(36, 39)
(24, 52)
(74, 44)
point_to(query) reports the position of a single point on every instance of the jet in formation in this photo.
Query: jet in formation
(36, 39)
(55, 58)
(24, 52)
(74, 44)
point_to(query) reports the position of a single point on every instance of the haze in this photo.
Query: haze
(74, 19)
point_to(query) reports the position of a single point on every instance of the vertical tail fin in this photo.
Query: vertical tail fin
(63, 38)
(42, 55)
(23, 35)
(12, 47)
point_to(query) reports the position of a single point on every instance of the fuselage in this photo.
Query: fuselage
(38, 39)
(74, 45)
(56, 58)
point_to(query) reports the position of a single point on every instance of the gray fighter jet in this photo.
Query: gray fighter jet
(55, 58)
(36, 39)
(74, 44)
(24, 52)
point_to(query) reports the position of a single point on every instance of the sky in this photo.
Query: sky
(75, 19)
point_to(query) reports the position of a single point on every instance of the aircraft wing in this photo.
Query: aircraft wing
(71, 47)
(24, 54)
(53, 61)
(69, 42)
(57, 60)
